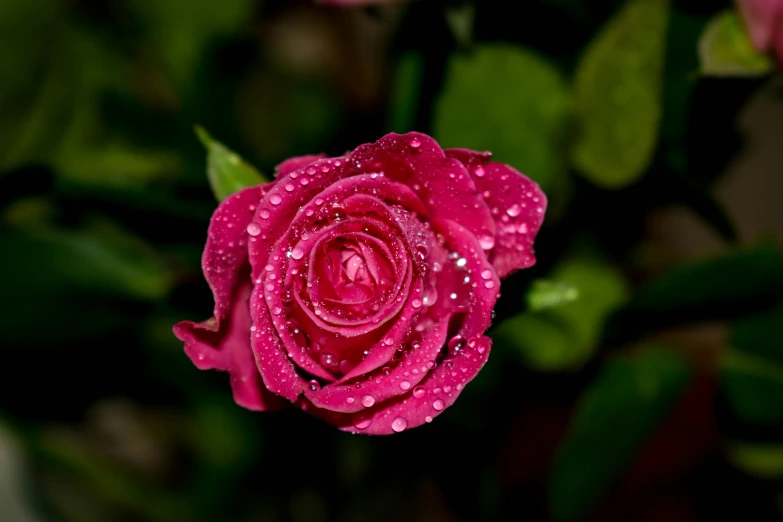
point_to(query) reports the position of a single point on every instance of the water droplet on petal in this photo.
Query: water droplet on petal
(350, 400)
(264, 214)
(514, 210)
(368, 400)
(399, 424)
(438, 404)
(419, 392)
(416, 303)
(430, 296)
(275, 199)
(489, 284)
(289, 187)
(405, 385)
(487, 242)
(479, 172)
(253, 229)
(297, 253)
(314, 385)
(427, 419)
(415, 143)
(363, 424)
(456, 343)
(486, 274)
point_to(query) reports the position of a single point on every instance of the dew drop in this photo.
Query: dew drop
(419, 392)
(430, 296)
(350, 400)
(314, 385)
(489, 284)
(368, 400)
(427, 419)
(479, 172)
(399, 424)
(253, 229)
(438, 404)
(487, 242)
(275, 199)
(297, 253)
(289, 187)
(415, 143)
(416, 303)
(514, 210)
(405, 385)
(486, 274)
(363, 424)
(264, 214)
(457, 343)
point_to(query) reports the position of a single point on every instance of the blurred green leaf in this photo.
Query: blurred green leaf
(752, 371)
(725, 49)
(545, 294)
(404, 101)
(183, 31)
(113, 263)
(14, 502)
(567, 335)
(511, 102)
(614, 419)
(618, 90)
(227, 172)
(761, 460)
(729, 286)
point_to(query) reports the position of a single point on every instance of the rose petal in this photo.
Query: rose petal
(223, 342)
(517, 204)
(298, 162)
(760, 17)
(436, 393)
(442, 183)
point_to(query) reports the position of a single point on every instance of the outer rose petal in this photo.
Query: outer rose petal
(437, 392)
(291, 164)
(517, 204)
(223, 342)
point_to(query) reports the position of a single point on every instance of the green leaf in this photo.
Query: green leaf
(618, 91)
(565, 336)
(753, 387)
(405, 92)
(761, 460)
(227, 172)
(511, 102)
(614, 419)
(725, 49)
(545, 294)
(730, 286)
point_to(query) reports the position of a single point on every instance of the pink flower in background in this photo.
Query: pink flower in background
(764, 20)
(359, 288)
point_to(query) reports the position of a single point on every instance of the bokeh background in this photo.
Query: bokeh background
(637, 370)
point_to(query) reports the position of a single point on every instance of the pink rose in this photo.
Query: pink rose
(359, 288)
(764, 20)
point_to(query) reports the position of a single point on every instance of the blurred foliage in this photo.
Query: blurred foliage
(617, 93)
(226, 171)
(617, 413)
(618, 108)
(725, 49)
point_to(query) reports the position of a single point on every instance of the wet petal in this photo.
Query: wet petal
(517, 204)
(298, 162)
(223, 342)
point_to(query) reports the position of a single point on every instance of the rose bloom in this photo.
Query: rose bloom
(764, 20)
(359, 288)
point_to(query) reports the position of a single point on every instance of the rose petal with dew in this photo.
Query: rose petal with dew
(517, 204)
(442, 183)
(223, 342)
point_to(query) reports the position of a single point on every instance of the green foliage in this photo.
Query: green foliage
(615, 417)
(404, 102)
(560, 332)
(545, 294)
(728, 286)
(752, 372)
(617, 92)
(227, 172)
(510, 101)
(763, 460)
(725, 49)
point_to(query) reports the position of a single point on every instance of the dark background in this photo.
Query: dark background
(656, 395)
